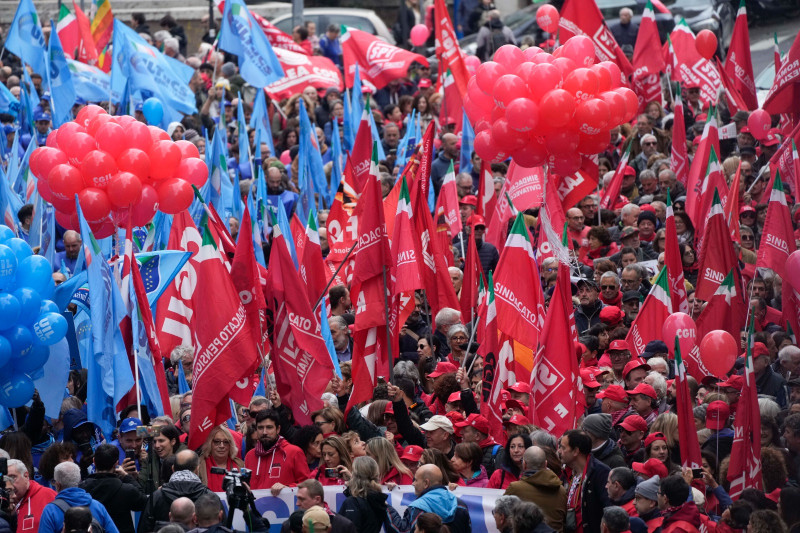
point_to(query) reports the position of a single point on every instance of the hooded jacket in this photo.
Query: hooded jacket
(283, 463)
(610, 455)
(684, 518)
(182, 483)
(543, 488)
(30, 507)
(367, 514)
(480, 480)
(118, 495)
(53, 517)
(437, 500)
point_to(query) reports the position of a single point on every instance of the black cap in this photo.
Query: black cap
(631, 295)
(587, 281)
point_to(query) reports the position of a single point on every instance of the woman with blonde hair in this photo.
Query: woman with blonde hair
(667, 423)
(392, 469)
(335, 461)
(329, 420)
(365, 505)
(356, 446)
(220, 451)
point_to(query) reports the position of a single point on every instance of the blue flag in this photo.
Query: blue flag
(233, 419)
(150, 74)
(357, 100)
(311, 173)
(25, 38)
(325, 332)
(256, 231)
(245, 168)
(259, 120)
(64, 293)
(52, 382)
(10, 203)
(467, 139)
(242, 36)
(28, 84)
(261, 390)
(338, 165)
(148, 383)
(283, 224)
(62, 91)
(376, 136)
(348, 125)
(183, 385)
(91, 83)
(158, 269)
(8, 102)
(407, 140)
(109, 372)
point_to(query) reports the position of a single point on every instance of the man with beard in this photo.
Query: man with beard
(342, 341)
(277, 193)
(587, 314)
(275, 463)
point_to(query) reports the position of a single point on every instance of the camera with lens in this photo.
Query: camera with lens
(239, 496)
(5, 496)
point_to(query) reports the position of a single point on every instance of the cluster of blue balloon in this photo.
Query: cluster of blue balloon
(29, 321)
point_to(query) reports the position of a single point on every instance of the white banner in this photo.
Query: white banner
(480, 503)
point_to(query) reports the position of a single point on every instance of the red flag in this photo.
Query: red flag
(556, 389)
(87, 52)
(372, 252)
(687, 432)
(573, 188)
(405, 247)
(312, 268)
(448, 201)
(650, 320)
(680, 156)
(370, 360)
(585, 18)
(689, 67)
(472, 274)
(714, 181)
(735, 99)
(784, 95)
(648, 61)
(611, 193)
(496, 364)
(525, 188)
(361, 156)
(777, 237)
(68, 33)
(449, 54)
(301, 361)
(732, 205)
(247, 280)
(726, 310)
(487, 200)
(379, 62)
(515, 282)
(697, 171)
(744, 470)
(342, 225)
(300, 71)
(427, 155)
(717, 256)
(673, 263)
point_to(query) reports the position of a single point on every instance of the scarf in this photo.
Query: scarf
(261, 452)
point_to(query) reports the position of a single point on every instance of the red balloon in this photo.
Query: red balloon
(603, 78)
(759, 123)
(120, 217)
(419, 34)
(102, 229)
(580, 49)
(193, 170)
(96, 122)
(164, 159)
(614, 72)
(187, 149)
(507, 88)
(124, 120)
(484, 146)
(95, 204)
(124, 189)
(506, 138)
(157, 134)
(557, 108)
(78, 146)
(533, 154)
(718, 351)
(65, 132)
(43, 159)
(568, 164)
(531, 52)
(524, 69)
(87, 113)
(472, 63)
(138, 136)
(682, 326)
(543, 78)
(65, 181)
(146, 208)
(793, 270)
(592, 116)
(582, 83)
(487, 74)
(562, 142)
(110, 138)
(544, 57)
(479, 99)
(631, 102)
(522, 114)
(136, 162)
(174, 196)
(98, 168)
(547, 18)
(706, 43)
(44, 190)
(65, 206)
(65, 220)
(594, 144)
(509, 56)
(52, 139)
(565, 65)
(616, 107)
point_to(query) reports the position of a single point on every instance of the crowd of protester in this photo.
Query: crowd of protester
(620, 471)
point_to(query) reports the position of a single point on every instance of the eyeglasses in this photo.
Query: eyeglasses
(320, 424)
(649, 144)
(748, 238)
(608, 287)
(216, 442)
(748, 215)
(422, 346)
(458, 338)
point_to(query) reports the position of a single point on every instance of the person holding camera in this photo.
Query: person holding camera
(210, 517)
(111, 485)
(129, 444)
(219, 451)
(335, 458)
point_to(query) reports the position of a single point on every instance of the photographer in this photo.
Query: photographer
(210, 516)
(112, 486)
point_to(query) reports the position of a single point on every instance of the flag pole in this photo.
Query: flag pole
(471, 338)
(388, 331)
(333, 277)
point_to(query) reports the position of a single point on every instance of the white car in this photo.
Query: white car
(764, 81)
(361, 19)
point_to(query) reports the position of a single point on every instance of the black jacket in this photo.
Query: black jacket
(586, 318)
(594, 498)
(157, 507)
(118, 495)
(772, 384)
(367, 514)
(610, 455)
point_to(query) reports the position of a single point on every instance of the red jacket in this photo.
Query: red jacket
(29, 509)
(393, 476)
(319, 475)
(283, 463)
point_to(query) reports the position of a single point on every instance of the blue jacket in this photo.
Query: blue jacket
(52, 520)
(438, 500)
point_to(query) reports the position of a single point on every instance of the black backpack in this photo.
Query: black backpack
(63, 505)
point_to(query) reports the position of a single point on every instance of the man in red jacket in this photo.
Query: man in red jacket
(28, 496)
(275, 463)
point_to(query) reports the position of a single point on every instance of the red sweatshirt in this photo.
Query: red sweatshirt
(283, 463)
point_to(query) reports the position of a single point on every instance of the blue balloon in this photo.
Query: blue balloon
(35, 360)
(5, 233)
(48, 306)
(20, 248)
(30, 302)
(50, 328)
(49, 289)
(153, 111)
(8, 266)
(25, 140)
(5, 351)
(35, 273)
(16, 391)
(21, 340)
(10, 309)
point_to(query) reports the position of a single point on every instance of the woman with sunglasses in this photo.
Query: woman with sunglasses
(690, 263)
(218, 451)
(329, 420)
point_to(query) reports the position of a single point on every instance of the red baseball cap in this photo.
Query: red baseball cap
(521, 387)
(614, 392)
(469, 199)
(476, 220)
(477, 421)
(443, 368)
(650, 468)
(618, 345)
(634, 423)
(746, 209)
(516, 404)
(454, 417)
(455, 397)
(633, 364)
(580, 349)
(647, 207)
(733, 382)
(424, 83)
(643, 388)
(628, 171)
(611, 315)
(759, 349)
(717, 415)
(517, 420)
(770, 140)
(652, 437)
(412, 453)
(744, 129)
(389, 409)
(588, 378)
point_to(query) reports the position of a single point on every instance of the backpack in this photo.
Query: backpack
(63, 505)
(496, 40)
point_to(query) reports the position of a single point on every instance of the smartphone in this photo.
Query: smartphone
(697, 473)
(130, 454)
(331, 472)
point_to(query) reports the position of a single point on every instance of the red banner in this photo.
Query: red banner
(378, 62)
(584, 18)
(300, 71)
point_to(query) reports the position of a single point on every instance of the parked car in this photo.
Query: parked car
(764, 81)
(361, 19)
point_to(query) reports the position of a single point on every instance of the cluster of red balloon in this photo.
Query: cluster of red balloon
(540, 108)
(118, 167)
(718, 349)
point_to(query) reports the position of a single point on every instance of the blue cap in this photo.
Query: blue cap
(41, 115)
(8, 129)
(138, 107)
(45, 95)
(129, 424)
(80, 101)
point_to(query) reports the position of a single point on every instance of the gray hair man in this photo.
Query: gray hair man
(540, 485)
